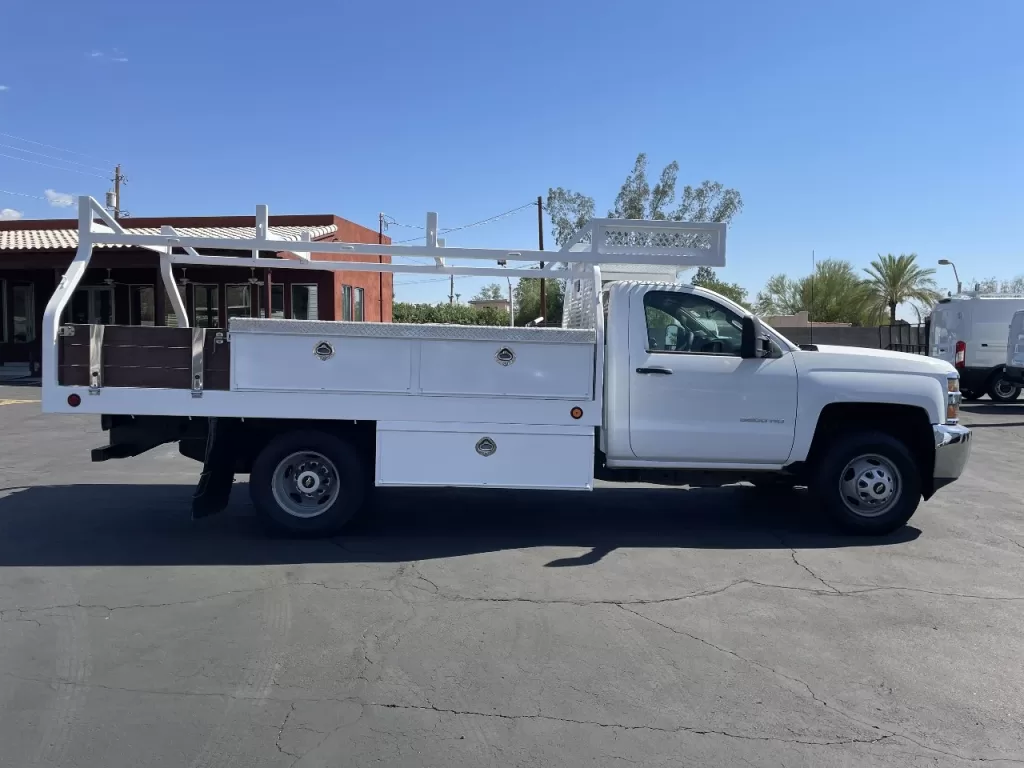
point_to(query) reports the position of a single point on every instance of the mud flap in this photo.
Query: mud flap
(214, 487)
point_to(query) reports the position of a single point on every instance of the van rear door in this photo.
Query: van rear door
(944, 324)
(1015, 342)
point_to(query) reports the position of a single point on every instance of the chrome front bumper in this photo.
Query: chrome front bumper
(952, 447)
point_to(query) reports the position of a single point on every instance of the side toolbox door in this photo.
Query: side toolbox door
(692, 398)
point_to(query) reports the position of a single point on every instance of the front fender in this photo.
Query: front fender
(818, 389)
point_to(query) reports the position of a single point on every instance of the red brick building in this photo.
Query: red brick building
(122, 285)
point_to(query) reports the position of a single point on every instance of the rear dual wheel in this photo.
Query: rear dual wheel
(308, 483)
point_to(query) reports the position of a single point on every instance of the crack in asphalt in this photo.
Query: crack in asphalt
(812, 574)
(293, 700)
(24, 614)
(867, 724)
(625, 727)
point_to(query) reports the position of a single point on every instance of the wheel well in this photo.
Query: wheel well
(254, 434)
(906, 423)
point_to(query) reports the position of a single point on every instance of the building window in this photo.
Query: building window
(357, 304)
(23, 308)
(3, 310)
(141, 305)
(346, 302)
(276, 300)
(206, 313)
(91, 305)
(239, 296)
(304, 302)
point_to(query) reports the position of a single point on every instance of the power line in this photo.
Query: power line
(20, 194)
(49, 165)
(49, 157)
(51, 146)
(488, 220)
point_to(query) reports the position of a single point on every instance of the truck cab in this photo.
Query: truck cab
(695, 385)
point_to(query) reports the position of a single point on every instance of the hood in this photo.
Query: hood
(865, 359)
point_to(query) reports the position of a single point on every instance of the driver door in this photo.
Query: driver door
(692, 398)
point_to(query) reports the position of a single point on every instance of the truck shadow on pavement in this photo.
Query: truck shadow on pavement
(107, 525)
(1012, 414)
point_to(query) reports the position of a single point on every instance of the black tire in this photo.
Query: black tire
(970, 395)
(1001, 390)
(343, 468)
(835, 465)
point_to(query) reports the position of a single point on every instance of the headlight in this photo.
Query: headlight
(953, 399)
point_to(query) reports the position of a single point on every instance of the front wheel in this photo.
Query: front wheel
(868, 483)
(1003, 391)
(307, 483)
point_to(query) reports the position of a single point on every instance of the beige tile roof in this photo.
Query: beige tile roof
(63, 239)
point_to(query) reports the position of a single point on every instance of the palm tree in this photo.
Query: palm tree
(894, 280)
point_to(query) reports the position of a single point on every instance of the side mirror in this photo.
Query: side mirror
(752, 342)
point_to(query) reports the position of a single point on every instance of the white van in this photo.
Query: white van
(969, 330)
(1015, 350)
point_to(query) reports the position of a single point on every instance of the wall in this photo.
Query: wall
(872, 337)
(378, 287)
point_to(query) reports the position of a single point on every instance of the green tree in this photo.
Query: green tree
(894, 280)
(637, 199)
(832, 294)
(706, 278)
(448, 314)
(492, 292)
(996, 285)
(527, 298)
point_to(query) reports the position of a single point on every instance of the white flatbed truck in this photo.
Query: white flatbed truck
(649, 382)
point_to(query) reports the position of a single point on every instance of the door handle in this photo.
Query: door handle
(984, 345)
(654, 370)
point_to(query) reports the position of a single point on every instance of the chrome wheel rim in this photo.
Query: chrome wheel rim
(305, 484)
(870, 485)
(1004, 388)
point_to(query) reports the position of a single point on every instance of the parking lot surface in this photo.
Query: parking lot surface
(631, 626)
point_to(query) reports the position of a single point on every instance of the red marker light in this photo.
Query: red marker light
(74, 400)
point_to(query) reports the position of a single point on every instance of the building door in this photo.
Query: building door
(91, 305)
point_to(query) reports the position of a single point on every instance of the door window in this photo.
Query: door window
(304, 302)
(207, 305)
(276, 300)
(91, 305)
(691, 324)
(238, 300)
(142, 305)
(23, 307)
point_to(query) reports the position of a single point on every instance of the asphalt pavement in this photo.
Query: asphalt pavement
(630, 626)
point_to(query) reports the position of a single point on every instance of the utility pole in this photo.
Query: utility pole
(540, 238)
(451, 289)
(380, 275)
(118, 178)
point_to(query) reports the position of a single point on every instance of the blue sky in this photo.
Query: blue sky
(849, 128)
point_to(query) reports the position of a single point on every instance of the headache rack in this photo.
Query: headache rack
(198, 360)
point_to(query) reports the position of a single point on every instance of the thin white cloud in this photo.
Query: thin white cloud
(59, 199)
(9, 214)
(95, 54)
(120, 59)
(5, 87)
